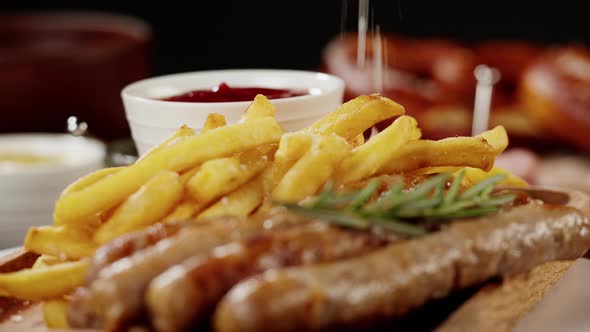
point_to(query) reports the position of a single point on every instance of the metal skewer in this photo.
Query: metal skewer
(486, 78)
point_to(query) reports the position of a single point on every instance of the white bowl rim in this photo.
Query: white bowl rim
(96, 155)
(125, 93)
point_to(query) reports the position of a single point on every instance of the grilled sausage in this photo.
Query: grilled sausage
(391, 281)
(129, 244)
(115, 298)
(187, 292)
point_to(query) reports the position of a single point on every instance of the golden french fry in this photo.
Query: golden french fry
(45, 261)
(184, 211)
(475, 175)
(208, 179)
(187, 175)
(497, 138)
(183, 131)
(213, 121)
(55, 314)
(60, 241)
(82, 183)
(367, 159)
(454, 151)
(355, 116)
(184, 153)
(218, 177)
(259, 108)
(90, 179)
(82, 224)
(148, 205)
(44, 283)
(435, 170)
(357, 141)
(239, 203)
(291, 148)
(310, 172)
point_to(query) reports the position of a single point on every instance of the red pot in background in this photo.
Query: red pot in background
(54, 65)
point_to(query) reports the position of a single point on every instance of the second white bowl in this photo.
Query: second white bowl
(152, 119)
(28, 191)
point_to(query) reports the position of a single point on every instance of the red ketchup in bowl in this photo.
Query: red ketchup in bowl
(225, 93)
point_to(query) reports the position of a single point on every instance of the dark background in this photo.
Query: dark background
(201, 34)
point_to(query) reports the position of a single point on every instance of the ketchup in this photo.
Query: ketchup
(225, 93)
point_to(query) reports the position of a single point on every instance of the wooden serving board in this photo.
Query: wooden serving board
(497, 306)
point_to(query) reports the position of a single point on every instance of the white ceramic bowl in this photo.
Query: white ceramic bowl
(28, 192)
(152, 119)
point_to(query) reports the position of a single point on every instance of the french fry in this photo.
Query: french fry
(357, 141)
(218, 177)
(475, 175)
(259, 108)
(91, 221)
(185, 153)
(435, 170)
(82, 224)
(90, 179)
(184, 211)
(239, 203)
(213, 121)
(44, 283)
(455, 151)
(497, 138)
(82, 183)
(187, 175)
(367, 159)
(355, 116)
(208, 183)
(291, 148)
(183, 131)
(55, 314)
(148, 205)
(310, 172)
(60, 241)
(45, 261)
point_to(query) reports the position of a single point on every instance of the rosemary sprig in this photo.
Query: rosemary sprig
(406, 212)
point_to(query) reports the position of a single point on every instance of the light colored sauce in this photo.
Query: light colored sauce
(29, 159)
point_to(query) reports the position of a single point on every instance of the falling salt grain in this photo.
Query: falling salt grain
(267, 224)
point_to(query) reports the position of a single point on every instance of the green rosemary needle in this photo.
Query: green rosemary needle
(404, 212)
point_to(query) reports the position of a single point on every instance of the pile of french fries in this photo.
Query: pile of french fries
(236, 170)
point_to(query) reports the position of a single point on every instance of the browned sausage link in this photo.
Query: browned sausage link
(391, 281)
(129, 244)
(116, 297)
(186, 293)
